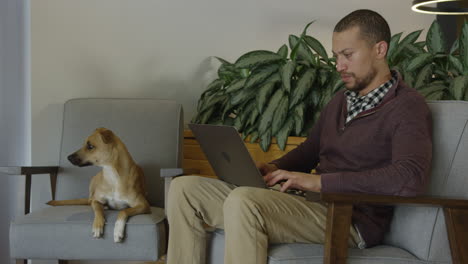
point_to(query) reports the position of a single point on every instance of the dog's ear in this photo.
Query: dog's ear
(107, 136)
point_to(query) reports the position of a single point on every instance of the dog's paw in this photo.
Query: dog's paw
(119, 230)
(98, 228)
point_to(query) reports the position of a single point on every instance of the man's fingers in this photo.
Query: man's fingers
(285, 186)
(276, 177)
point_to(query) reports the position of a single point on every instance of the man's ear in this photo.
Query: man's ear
(107, 136)
(381, 49)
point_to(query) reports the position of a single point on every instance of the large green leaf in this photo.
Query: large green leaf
(212, 101)
(316, 46)
(413, 49)
(303, 87)
(257, 57)
(458, 87)
(242, 96)
(299, 118)
(263, 95)
(260, 75)
(253, 116)
(463, 43)
(268, 114)
(283, 51)
(236, 85)
(223, 61)
(438, 95)
(253, 136)
(324, 76)
(238, 123)
(423, 76)
(456, 63)
(393, 44)
(213, 87)
(283, 133)
(336, 82)
(303, 52)
(455, 46)
(265, 140)
(419, 61)
(246, 112)
(280, 115)
(420, 44)
(286, 73)
(409, 39)
(435, 39)
(437, 86)
(205, 116)
(304, 32)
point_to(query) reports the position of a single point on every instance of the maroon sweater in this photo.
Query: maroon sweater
(385, 150)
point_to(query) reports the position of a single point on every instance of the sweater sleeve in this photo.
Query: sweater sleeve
(408, 172)
(305, 157)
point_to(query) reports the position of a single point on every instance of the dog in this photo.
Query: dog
(120, 185)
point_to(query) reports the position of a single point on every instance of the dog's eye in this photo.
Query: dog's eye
(90, 147)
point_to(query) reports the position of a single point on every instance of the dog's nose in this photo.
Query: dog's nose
(74, 159)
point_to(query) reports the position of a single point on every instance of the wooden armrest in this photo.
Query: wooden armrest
(172, 172)
(23, 170)
(340, 206)
(350, 198)
(28, 171)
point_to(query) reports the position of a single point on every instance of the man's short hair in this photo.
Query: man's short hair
(373, 27)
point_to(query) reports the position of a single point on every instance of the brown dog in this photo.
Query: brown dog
(120, 185)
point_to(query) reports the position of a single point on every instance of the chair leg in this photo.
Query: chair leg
(337, 233)
(457, 232)
(21, 261)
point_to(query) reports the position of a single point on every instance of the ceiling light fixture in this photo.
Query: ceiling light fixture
(421, 7)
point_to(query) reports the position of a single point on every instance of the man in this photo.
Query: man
(375, 138)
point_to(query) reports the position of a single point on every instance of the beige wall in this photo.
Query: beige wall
(161, 48)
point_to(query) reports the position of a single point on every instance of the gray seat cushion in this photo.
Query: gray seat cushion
(65, 233)
(313, 253)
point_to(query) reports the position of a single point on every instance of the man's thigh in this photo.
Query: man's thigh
(289, 218)
(205, 196)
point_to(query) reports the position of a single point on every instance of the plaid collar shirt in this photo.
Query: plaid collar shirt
(358, 104)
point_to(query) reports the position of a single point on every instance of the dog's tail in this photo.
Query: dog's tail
(70, 202)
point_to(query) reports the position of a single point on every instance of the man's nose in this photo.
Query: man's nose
(340, 66)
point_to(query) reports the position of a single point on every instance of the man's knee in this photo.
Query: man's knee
(241, 198)
(184, 183)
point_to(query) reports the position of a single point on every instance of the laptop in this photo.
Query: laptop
(227, 155)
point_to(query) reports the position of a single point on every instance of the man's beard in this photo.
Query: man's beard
(362, 83)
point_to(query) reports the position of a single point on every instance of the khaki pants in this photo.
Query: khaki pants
(251, 218)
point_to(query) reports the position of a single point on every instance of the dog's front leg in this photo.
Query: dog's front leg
(119, 228)
(98, 224)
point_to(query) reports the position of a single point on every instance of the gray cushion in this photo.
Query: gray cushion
(421, 230)
(313, 253)
(64, 232)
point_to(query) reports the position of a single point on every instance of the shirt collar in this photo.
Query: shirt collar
(351, 95)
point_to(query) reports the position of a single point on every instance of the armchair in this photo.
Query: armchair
(432, 229)
(152, 131)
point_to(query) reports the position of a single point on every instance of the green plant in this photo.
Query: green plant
(268, 94)
(435, 71)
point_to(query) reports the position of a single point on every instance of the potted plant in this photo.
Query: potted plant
(268, 94)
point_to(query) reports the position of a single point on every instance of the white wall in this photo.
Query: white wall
(15, 118)
(161, 48)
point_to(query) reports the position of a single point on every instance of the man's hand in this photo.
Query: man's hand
(294, 180)
(266, 168)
